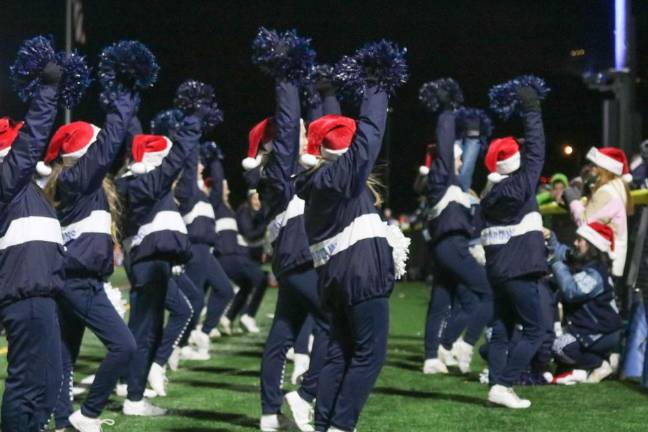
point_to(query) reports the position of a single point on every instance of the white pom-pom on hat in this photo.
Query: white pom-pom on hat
(627, 178)
(138, 168)
(250, 163)
(308, 160)
(43, 169)
(423, 170)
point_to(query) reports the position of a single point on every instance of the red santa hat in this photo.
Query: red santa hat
(599, 235)
(612, 159)
(261, 135)
(429, 157)
(328, 137)
(70, 141)
(148, 152)
(8, 133)
(502, 158)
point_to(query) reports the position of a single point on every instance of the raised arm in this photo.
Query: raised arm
(533, 156)
(218, 177)
(18, 167)
(348, 175)
(159, 181)
(187, 186)
(442, 172)
(285, 147)
(471, 150)
(88, 173)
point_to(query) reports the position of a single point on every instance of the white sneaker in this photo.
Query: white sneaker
(226, 326)
(157, 379)
(505, 396)
(200, 340)
(614, 362)
(463, 352)
(142, 408)
(302, 363)
(290, 355)
(446, 357)
(434, 366)
(86, 424)
(76, 391)
(214, 334)
(88, 380)
(274, 422)
(174, 359)
(190, 353)
(302, 411)
(484, 376)
(249, 324)
(600, 373)
(121, 390)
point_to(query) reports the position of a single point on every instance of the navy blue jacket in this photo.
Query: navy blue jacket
(228, 240)
(346, 235)
(588, 299)
(448, 204)
(284, 209)
(153, 227)
(512, 236)
(31, 245)
(83, 211)
(252, 227)
(196, 210)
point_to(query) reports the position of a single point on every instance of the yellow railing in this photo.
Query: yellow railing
(640, 197)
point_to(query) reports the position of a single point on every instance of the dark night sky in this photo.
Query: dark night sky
(477, 42)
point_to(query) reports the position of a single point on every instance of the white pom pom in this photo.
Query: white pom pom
(138, 168)
(423, 170)
(496, 177)
(400, 249)
(251, 163)
(627, 178)
(43, 169)
(308, 160)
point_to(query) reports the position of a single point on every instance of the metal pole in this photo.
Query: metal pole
(68, 45)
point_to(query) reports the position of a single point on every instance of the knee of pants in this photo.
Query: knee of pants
(125, 347)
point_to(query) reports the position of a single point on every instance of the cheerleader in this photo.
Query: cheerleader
(31, 265)
(515, 249)
(230, 248)
(351, 252)
(76, 163)
(155, 239)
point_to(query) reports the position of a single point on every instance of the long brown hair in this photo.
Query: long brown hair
(114, 203)
(605, 177)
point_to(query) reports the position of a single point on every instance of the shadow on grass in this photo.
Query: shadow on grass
(196, 429)
(417, 394)
(215, 416)
(225, 371)
(634, 385)
(241, 388)
(403, 365)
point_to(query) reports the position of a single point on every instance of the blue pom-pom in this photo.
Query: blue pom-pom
(283, 55)
(429, 94)
(213, 118)
(192, 94)
(381, 63)
(33, 55)
(464, 115)
(503, 97)
(166, 121)
(210, 151)
(76, 78)
(322, 73)
(127, 65)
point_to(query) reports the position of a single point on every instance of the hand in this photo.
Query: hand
(202, 111)
(325, 87)
(51, 75)
(571, 194)
(473, 125)
(557, 251)
(528, 98)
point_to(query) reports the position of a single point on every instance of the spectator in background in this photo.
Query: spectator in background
(388, 217)
(610, 201)
(557, 185)
(639, 167)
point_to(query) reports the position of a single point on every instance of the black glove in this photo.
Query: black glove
(210, 151)
(529, 99)
(325, 87)
(51, 75)
(572, 194)
(444, 99)
(472, 125)
(202, 111)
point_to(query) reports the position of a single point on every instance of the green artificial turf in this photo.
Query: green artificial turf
(223, 394)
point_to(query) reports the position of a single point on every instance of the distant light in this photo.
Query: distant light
(568, 150)
(620, 31)
(579, 52)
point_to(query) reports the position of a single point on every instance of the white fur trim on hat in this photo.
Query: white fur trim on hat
(496, 177)
(138, 168)
(592, 236)
(423, 170)
(507, 166)
(600, 159)
(250, 163)
(308, 160)
(43, 169)
(332, 154)
(4, 152)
